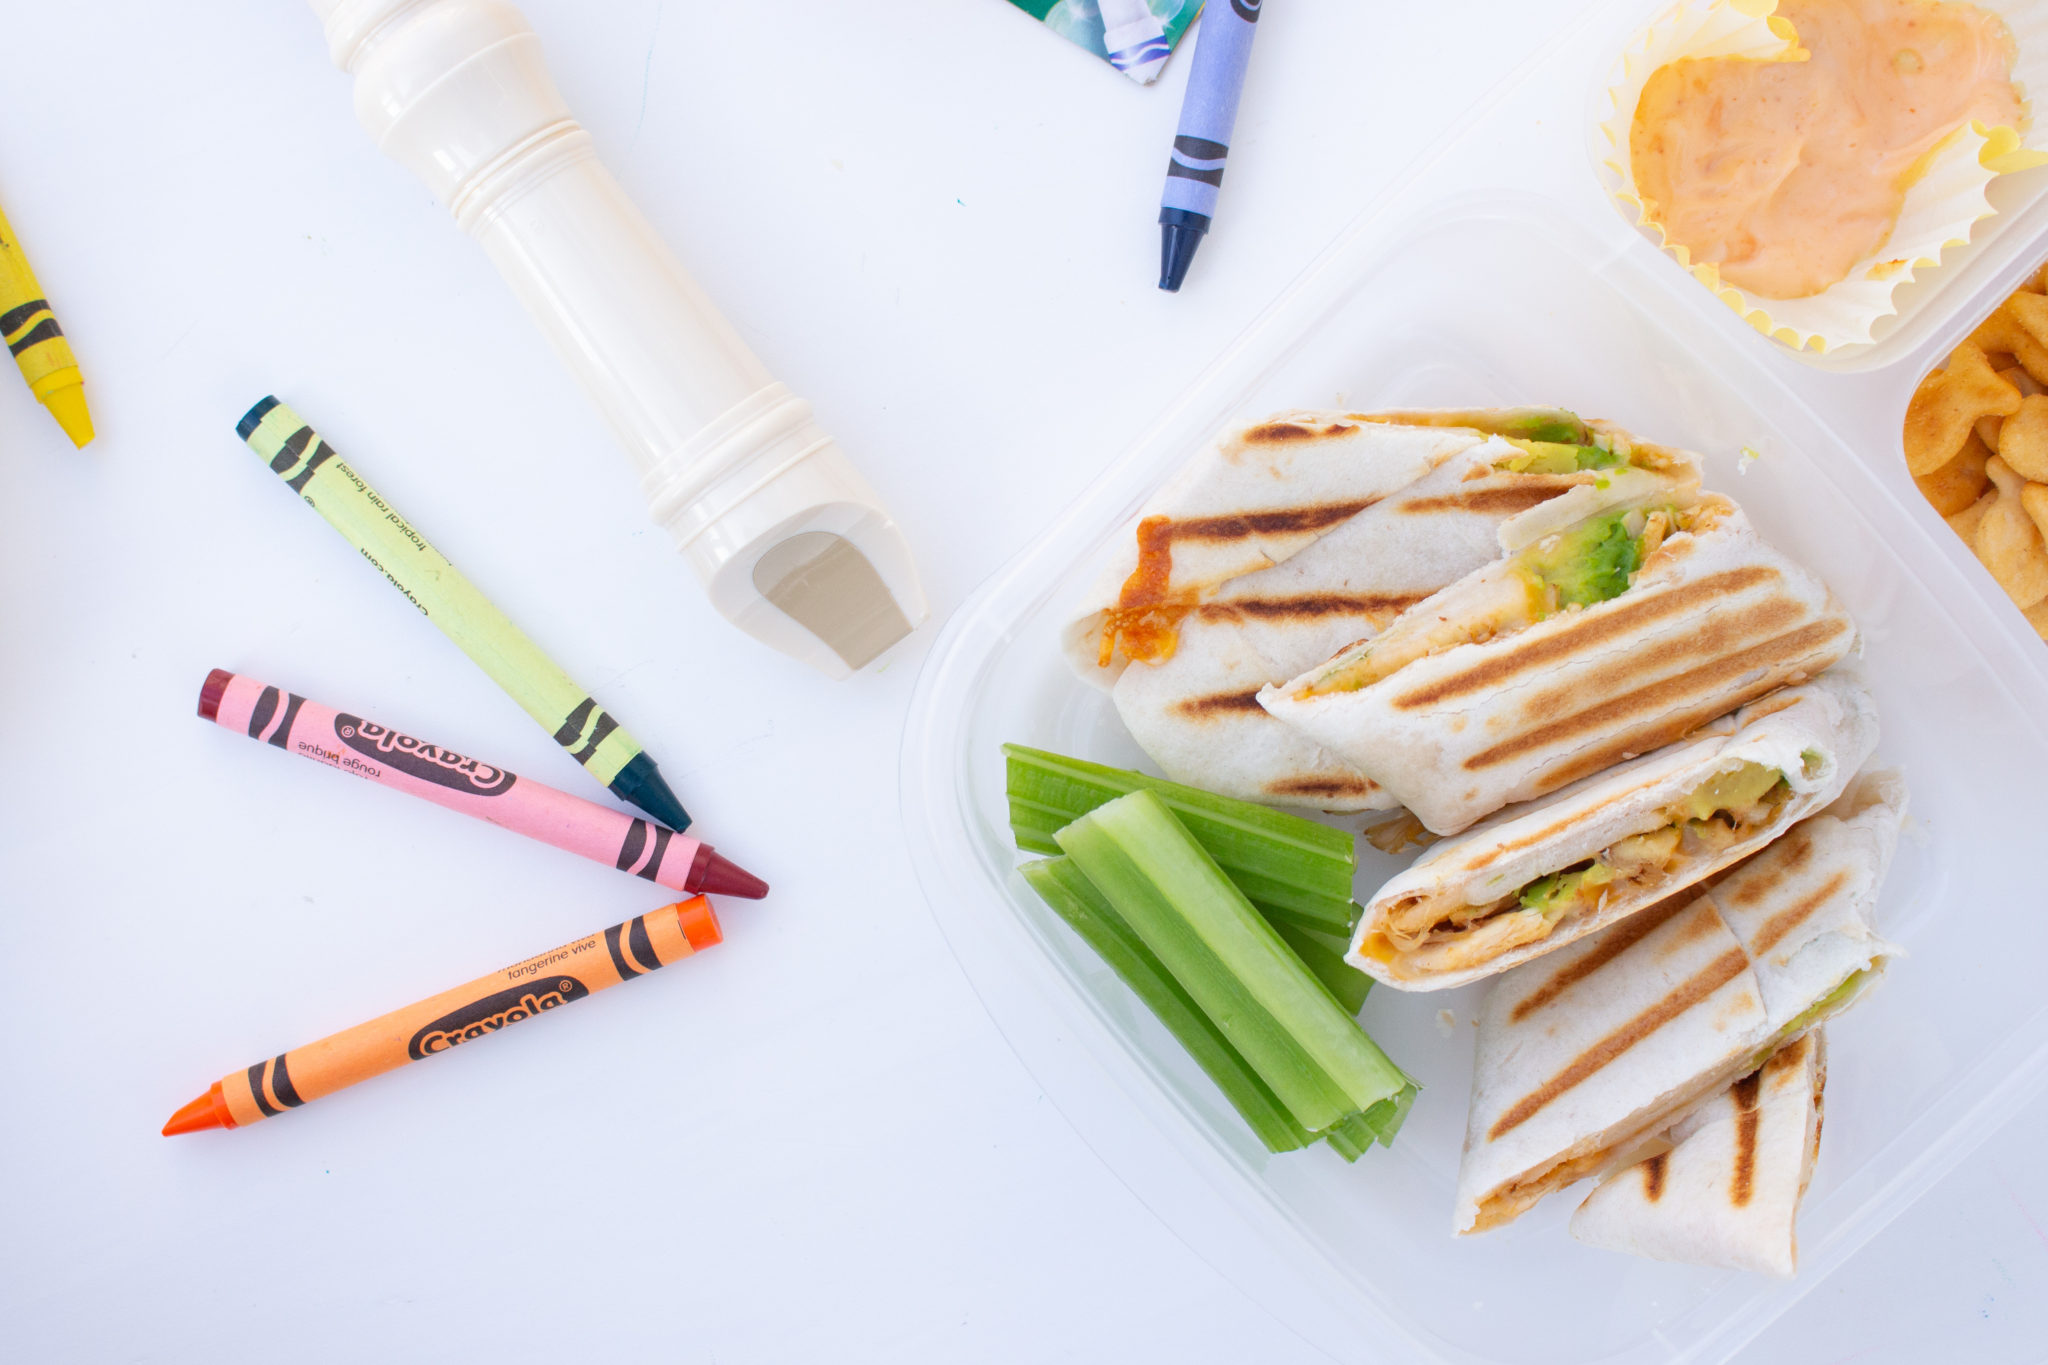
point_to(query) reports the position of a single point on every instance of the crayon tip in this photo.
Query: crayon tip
(716, 876)
(208, 1111)
(1177, 243)
(641, 784)
(253, 418)
(211, 691)
(67, 405)
(700, 924)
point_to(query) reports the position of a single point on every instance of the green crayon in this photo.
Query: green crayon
(310, 468)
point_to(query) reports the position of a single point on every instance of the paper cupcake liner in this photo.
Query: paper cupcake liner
(1939, 208)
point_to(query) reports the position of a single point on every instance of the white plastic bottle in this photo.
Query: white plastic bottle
(790, 541)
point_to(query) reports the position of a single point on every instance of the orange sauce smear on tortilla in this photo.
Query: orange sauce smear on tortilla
(1143, 621)
(1786, 174)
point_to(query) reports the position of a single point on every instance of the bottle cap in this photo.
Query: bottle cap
(788, 539)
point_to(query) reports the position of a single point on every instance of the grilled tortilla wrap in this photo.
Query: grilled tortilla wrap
(1538, 877)
(1727, 1192)
(1584, 1055)
(1284, 541)
(1588, 644)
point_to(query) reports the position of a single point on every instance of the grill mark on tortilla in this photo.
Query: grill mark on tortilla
(1145, 620)
(1274, 521)
(1308, 606)
(1702, 926)
(1320, 786)
(1789, 1056)
(1746, 1117)
(1286, 433)
(1612, 944)
(1790, 854)
(1631, 744)
(1589, 1063)
(1790, 918)
(1220, 703)
(1578, 815)
(1585, 631)
(1653, 1177)
(1710, 688)
(1487, 857)
(1495, 501)
(1721, 634)
(1771, 706)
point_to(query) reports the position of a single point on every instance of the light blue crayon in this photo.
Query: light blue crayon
(1194, 173)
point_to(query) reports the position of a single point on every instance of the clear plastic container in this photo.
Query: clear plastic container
(1534, 291)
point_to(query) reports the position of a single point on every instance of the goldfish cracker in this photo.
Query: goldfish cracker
(1986, 431)
(2034, 501)
(2023, 439)
(2008, 543)
(2005, 333)
(1965, 522)
(1947, 405)
(2030, 312)
(2017, 376)
(1959, 483)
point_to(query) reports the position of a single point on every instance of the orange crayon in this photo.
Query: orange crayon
(477, 1010)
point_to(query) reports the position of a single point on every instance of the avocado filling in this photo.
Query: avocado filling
(1557, 425)
(1589, 562)
(1553, 895)
(1560, 457)
(1834, 1002)
(1725, 809)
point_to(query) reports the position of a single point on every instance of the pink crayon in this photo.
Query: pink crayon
(285, 720)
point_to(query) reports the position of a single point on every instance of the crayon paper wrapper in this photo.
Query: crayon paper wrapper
(1134, 36)
(1939, 209)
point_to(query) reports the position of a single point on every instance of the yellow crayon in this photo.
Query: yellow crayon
(37, 342)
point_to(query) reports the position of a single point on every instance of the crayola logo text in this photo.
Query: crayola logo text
(493, 1012)
(417, 758)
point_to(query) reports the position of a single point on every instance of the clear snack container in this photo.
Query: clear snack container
(1537, 291)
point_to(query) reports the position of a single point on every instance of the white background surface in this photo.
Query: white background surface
(933, 219)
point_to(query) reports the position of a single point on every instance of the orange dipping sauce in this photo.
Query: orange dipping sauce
(1788, 174)
(1143, 621)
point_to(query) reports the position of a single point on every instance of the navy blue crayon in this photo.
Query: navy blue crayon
(1194, 173)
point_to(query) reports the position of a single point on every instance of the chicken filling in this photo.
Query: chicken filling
(1722, 811)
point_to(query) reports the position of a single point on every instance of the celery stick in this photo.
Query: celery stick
(1386, 1117)
(1231, 962)
(1062, 886)
(1291, 868)
(1323, 955)
(1352, 1138)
